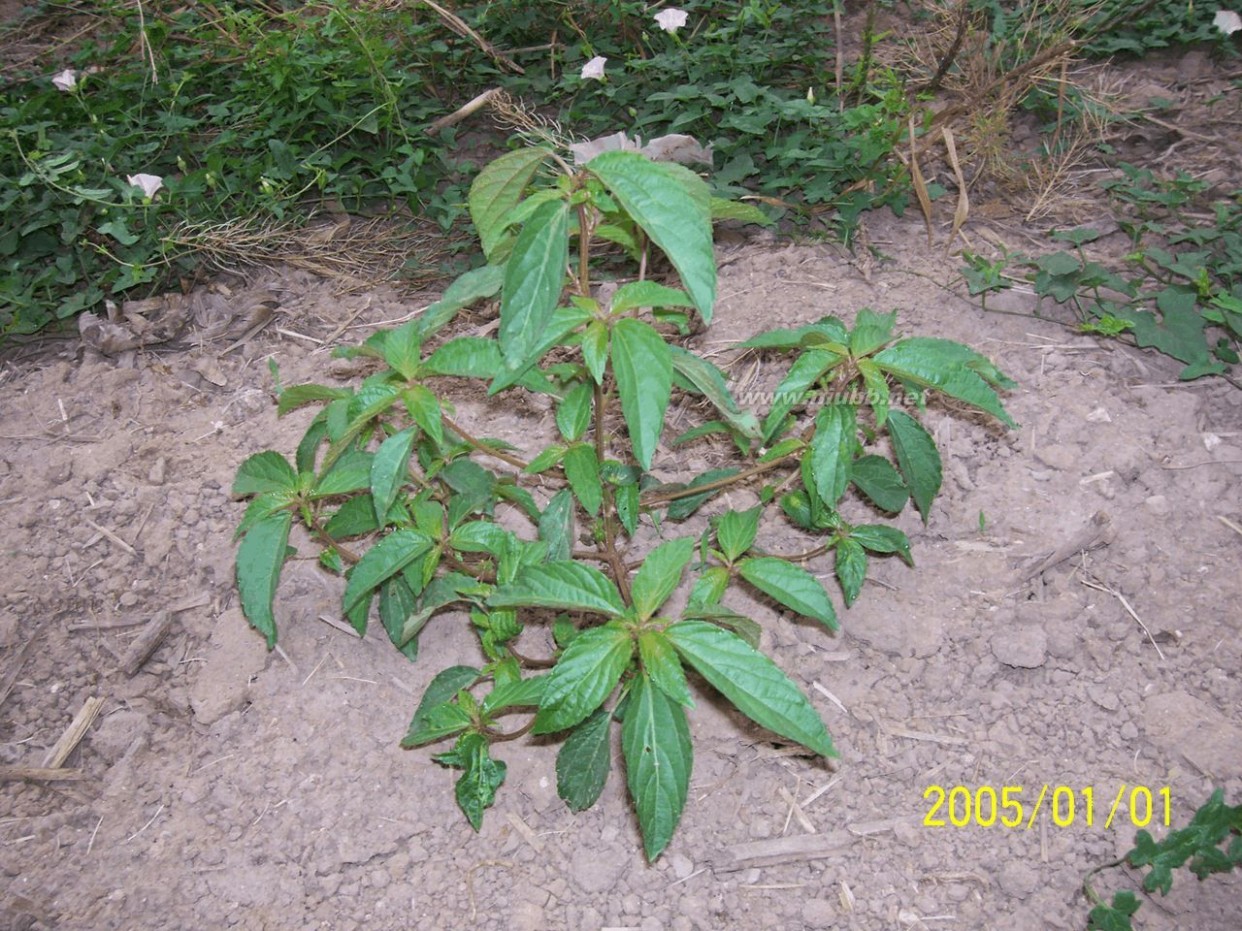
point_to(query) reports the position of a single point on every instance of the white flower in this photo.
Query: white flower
(149, 183)
(594, 68)
(66, 81)
(1227, 22)
(671, 20)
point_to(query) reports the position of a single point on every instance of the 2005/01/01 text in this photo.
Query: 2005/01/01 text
(1022, 806)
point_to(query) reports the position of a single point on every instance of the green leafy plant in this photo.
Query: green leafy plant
(254, 119)
(415, 508)
(1202, 842)
(1179, 292)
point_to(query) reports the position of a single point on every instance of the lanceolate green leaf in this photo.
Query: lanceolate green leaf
(583, 677)
(556, 525)
(832, 450)
(496, 191)
(396, 605)
(571, 586)
(264, 472)
(259, 561)
(425, 409)
(947, 366)
(390, 469)
(403, 349)
(807, 369)
(655, 741)
(466, 357)
(735, 532)
(709, 381)
(296, 396)
(791, 585)
(708, 588)
(659, 575)
(918, 459)
(595, 349)
(851, 566)
(870, 332)
(534, 277)
(469, 287)
(750, 680)
(878, 393)
(876, 478)
(382, 561)
(573, 414)
(661, 665)
(583, 763)
(674, 208)
(648, 294)
(642, 364)
(443, 687)
(582, 470)
(563, 322)
(880, 538)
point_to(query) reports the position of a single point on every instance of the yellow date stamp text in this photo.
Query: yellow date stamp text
(1022, 806)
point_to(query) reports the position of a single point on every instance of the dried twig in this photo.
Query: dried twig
(1099, 532)
(74, 733)
(39, 774)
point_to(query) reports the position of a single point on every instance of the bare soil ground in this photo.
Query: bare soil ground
(1072, 625)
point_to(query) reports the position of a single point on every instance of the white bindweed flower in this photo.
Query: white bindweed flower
(594, 68)
(671, 20)
(1227, 22)
(66, 81)
(150, 184)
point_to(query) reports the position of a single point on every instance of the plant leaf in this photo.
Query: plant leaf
(583, 677)
(497, 189)
(595, 349)
(584, 761)
(390, 469)
(790, 585)
(382, 561)
(396, 605)
(643, 366)
(947, 366)
(260, 558)
(296, 396)
(447, 683)
(655, 741)
(469, 287)
(573, 414)
(648, 294)
(582, 469)
(879, 538)
(466, 357)
(735, 532)
(709, 381)
(659, 575)
(556, 526)
(870, 332)
(682, 508)
(403, 349)
(570, 586)
(481, 776)
(425, 409)
(877, 478)
(708, 588)
(918, 459)
(661, 665)
(851, 566)
(267, 471)
(522, 693)
(674, 209)
(807, 369)
(750, 680)
(878, 393)
(534, 278)
(832, 451)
